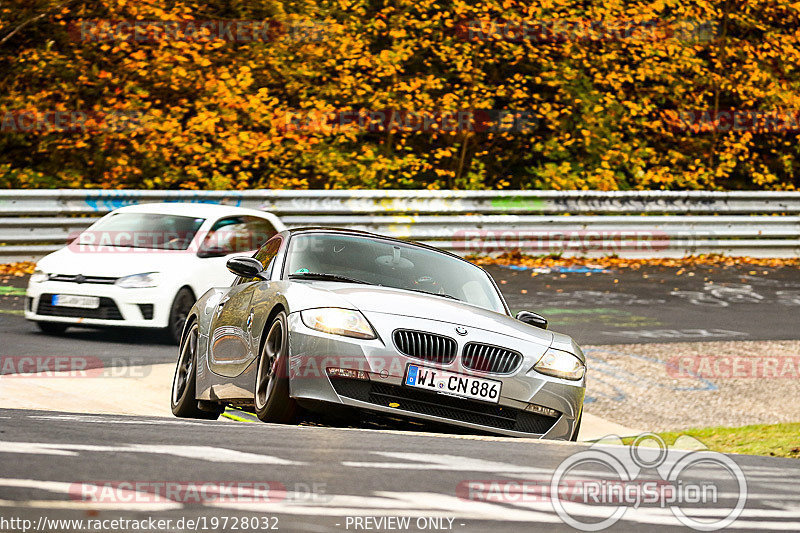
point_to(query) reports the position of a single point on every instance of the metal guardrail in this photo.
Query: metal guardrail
(634, 224)
(59, 202)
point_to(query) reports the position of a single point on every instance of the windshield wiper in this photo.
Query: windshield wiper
(443, 295)
(327, 277)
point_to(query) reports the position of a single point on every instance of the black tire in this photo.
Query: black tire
(577, 430)
(183, 394)
(178, 313)
(271, 393)
(52, 328)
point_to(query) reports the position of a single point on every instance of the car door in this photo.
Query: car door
(232, 338)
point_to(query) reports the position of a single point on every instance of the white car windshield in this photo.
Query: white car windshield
(356, 259)
(143, 230)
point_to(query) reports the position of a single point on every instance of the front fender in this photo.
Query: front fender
(292, 297)
(267, 296)
(203, 312)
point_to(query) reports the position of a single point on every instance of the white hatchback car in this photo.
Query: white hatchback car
(143, 266)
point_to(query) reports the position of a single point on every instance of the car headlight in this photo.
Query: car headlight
(139, 281)
(338, 322)
(560, 364)
(38, 276)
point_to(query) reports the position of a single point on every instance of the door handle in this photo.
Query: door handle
(221, 304)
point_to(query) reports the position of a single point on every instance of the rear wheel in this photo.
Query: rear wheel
(184, 397)
(272, 401)
(181, 306)
(52, 328)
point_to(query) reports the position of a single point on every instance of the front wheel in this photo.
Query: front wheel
(184, 398)
(272, 400)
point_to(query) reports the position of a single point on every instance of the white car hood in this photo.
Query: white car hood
(117, 263)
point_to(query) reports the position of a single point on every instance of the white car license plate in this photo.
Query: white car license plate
(435, 380)
(71, 300)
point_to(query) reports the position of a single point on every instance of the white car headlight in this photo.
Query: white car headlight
(139, 281)
(338, 322)
(38, 276)
(560, 364)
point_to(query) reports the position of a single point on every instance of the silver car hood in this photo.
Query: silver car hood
(398, 302)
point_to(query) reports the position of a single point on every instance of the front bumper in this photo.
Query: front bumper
(312, 352)
(119, 306)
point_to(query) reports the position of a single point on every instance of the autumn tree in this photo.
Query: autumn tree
(562, 94)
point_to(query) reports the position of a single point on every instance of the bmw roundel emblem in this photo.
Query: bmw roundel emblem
(461, 330)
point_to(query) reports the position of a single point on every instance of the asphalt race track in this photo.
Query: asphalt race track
(321, 478)
(660, 304)
(59, 465)
(652, 304)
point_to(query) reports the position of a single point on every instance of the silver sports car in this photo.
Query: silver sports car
(329, 319)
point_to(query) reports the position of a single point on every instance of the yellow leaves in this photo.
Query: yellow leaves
(17, 269)
(211, 105)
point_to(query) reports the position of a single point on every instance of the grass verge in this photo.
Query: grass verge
(773, 440)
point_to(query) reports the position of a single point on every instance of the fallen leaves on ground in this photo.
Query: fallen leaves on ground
(17, 269)
(517, 258)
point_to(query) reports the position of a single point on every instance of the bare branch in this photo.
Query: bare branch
(30, 21)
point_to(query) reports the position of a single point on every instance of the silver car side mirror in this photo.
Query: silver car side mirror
(246, 267)
(534, 319)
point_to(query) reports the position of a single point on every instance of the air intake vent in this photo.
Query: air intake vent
(82, 279)
(426, 346)
(147, 311)
(488, 358)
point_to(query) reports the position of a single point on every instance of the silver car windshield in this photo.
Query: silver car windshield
(355, 259)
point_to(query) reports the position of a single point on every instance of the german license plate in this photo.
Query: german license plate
(71, 300)
(450, 383)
